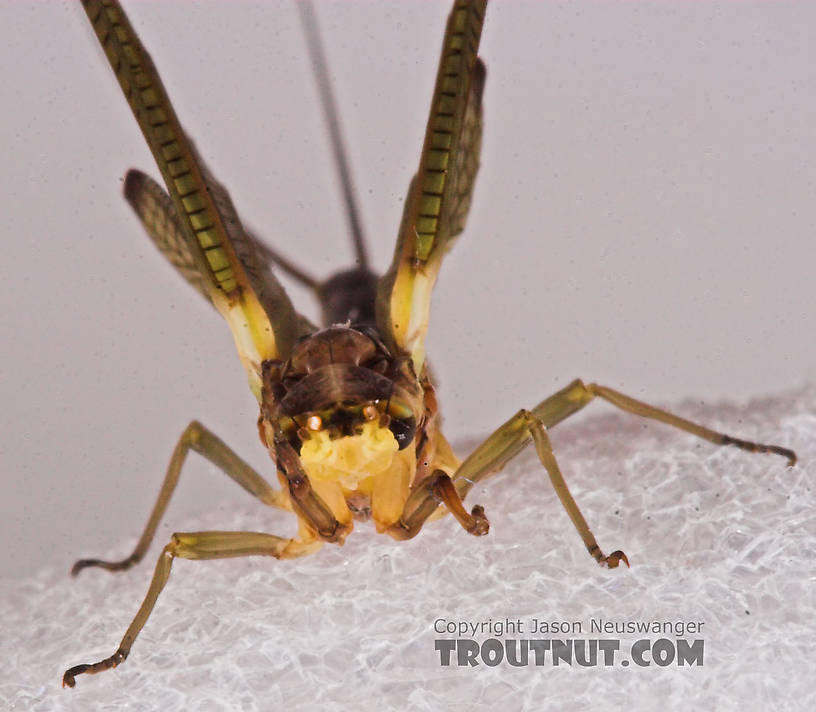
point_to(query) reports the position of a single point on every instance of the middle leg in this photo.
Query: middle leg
(203, 441)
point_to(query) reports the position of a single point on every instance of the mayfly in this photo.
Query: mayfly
(347, 411)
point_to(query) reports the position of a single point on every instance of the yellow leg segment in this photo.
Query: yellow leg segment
(509, 439)
(198, 438)
(195, 545)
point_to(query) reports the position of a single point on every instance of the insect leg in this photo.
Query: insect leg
(510, 438)
(645, 410)
(490, 457)
(425, 500)
(503, 445)
(544, 449)
(195, 437)
(194, 545)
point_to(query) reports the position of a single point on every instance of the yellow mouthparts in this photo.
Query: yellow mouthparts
(349, 460)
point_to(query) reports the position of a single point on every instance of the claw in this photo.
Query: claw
(69, 678)
(107, 565)
(77, 567)
(614, 559)
(480, 525)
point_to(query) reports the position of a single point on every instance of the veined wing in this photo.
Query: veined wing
(157, 214)
(439, 196)
(258, 312)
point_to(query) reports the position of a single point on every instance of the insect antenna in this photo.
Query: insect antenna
(270, 255)
(320, 68)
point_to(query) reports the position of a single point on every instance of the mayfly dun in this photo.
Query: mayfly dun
(347, 410)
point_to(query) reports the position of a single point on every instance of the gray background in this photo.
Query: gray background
(643, 218)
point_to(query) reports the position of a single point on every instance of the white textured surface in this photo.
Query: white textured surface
(713, 534)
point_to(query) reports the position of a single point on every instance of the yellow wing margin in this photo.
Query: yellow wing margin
(440, 193)
(260, 315)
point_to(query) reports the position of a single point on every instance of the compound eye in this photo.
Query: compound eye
(404, 430)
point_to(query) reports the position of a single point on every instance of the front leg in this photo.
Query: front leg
(544, 449)
(509, 439)
(492, 454)
(505, 443)
(425, 500)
